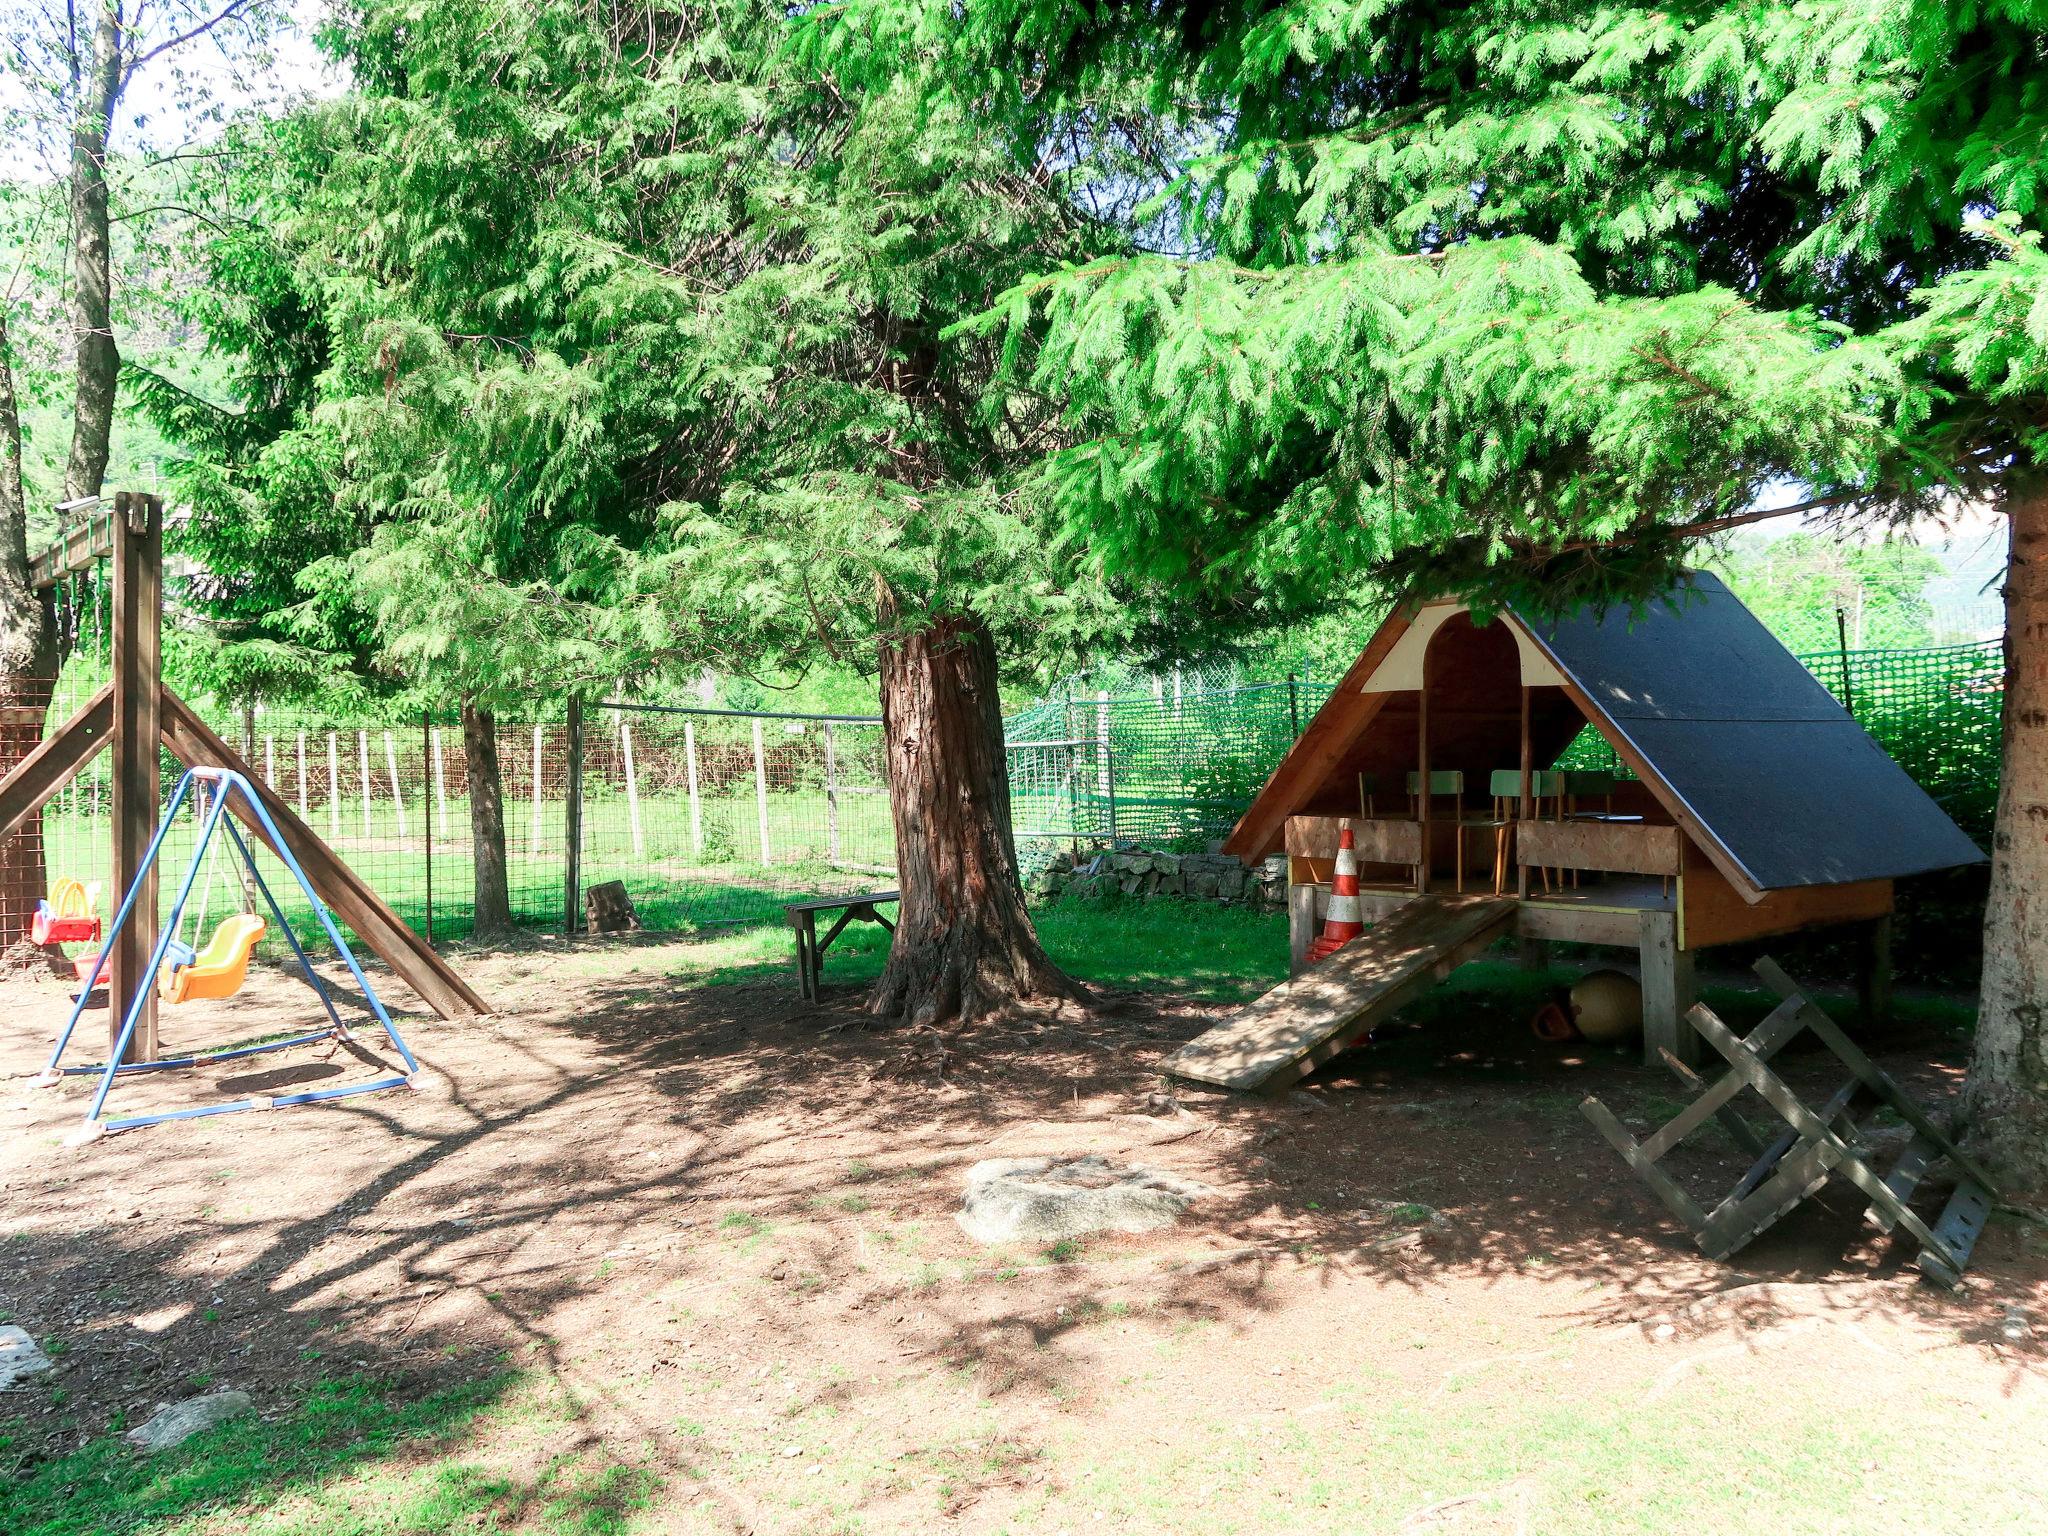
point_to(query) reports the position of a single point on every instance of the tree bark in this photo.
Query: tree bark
(486, 819)
(28, 662)
(965, 948)
(98, 360)
(2008, 1085)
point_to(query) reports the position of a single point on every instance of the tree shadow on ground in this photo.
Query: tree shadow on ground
(618, 1141)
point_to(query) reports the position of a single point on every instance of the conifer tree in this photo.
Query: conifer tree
(638, 360)
(1526, 296)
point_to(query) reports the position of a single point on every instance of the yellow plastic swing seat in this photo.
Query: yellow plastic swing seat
(219, 969)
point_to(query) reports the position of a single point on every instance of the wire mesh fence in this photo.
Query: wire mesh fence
(714, 817)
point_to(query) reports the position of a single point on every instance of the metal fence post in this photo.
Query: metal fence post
(633, 787)
(1293, 705)
(831, 798)
(363, 763)
(534, 834)
(397, 795)
(1109, 786)
(572, 822)
(696, 802)
(1842, 650)
(761, 790)
(440, 779)
(1104, 789)
(1105, 769)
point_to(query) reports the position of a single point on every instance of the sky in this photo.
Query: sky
(175, 98)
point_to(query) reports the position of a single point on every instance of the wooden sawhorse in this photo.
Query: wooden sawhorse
(1815, 1144)
(810, 949)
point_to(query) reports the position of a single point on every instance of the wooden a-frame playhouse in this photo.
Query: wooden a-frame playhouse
(1753, 804)
(135, 715)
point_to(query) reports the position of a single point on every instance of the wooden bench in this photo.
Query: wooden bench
(810, 949)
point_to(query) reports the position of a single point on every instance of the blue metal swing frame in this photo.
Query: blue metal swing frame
(226, 782)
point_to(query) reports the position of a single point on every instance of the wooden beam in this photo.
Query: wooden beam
(1376, 842)
(1525, 801)
(1667, 990)
(351, 899)
(1338, 724)
(1621, 848)
(138, 538)
(60, 756)
(1422, 784)
(76, 549)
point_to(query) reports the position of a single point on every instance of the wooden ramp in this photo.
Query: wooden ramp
(1303, 1022)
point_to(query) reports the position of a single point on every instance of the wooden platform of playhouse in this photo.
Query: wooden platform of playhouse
(1312, 1017)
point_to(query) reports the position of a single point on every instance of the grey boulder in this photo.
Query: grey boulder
(1043, 1199)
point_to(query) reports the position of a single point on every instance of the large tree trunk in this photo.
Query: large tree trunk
(964, 948)
(28, 662)
(92, 312)
(486, 819)
(2008, 1088)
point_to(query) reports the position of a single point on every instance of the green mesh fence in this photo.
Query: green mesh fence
(1180, 766)
(712, 817)
(1936, 711)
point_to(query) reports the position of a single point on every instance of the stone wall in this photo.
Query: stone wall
(1142, 874)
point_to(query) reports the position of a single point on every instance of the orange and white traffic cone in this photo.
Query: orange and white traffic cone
(1345, 921)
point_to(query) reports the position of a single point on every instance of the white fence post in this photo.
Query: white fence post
(302, 775)
(761, 791)
(1102, 745)
(533, 843)
(1105, 782)
(397, 796)
(440, 783)
(696, 805)
(831, 798)
(363, 759)
(333, 786)
(269, 760)
(633, 788)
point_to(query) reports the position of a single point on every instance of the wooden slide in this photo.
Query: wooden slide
(1271, 1044)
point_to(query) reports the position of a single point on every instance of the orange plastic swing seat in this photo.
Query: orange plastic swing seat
(219, 969)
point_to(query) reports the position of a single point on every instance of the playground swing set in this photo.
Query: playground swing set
(139, 965)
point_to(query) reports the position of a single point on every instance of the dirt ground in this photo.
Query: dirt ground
(1425, 1295)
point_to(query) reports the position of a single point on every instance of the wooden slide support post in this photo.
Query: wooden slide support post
(1668, 991)
(58, 758)
(410, 957)
(1874, 980)
(1301, 926)
(1816, 1144)
(138, 694)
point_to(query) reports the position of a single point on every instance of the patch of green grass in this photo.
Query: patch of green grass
(258, 1465)
(1198, 948)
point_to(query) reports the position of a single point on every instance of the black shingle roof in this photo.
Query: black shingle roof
(1764, 759)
